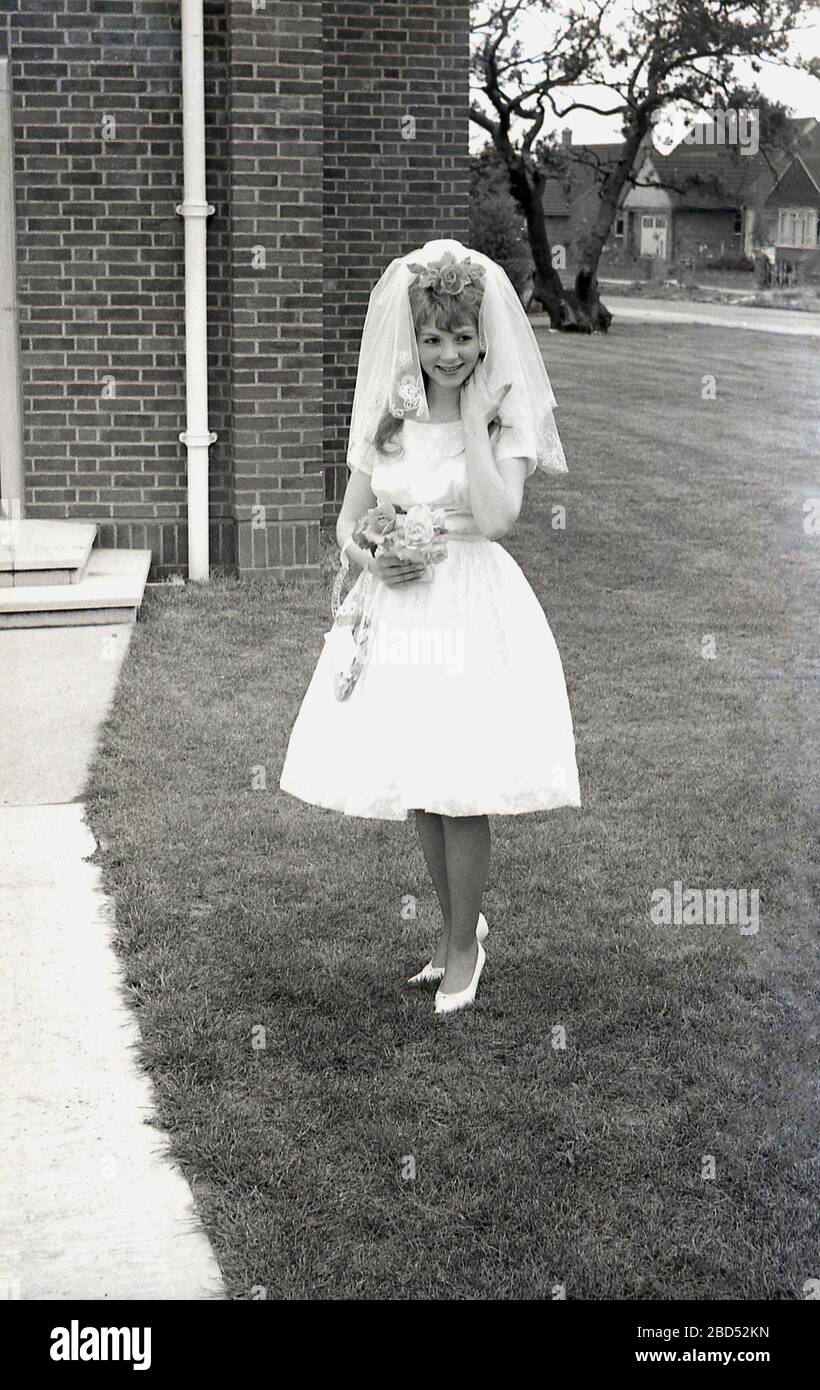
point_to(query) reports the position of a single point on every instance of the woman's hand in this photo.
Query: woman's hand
(480, 405)
(393, 570)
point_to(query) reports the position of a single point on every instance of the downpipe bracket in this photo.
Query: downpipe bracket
(194, 209)
(198, 440)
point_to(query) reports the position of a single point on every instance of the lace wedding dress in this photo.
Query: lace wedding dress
(462, 706)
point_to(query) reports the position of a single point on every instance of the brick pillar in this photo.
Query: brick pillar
(274, 72)
(396, 102)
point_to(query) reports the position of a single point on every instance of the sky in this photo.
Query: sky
(799, 91)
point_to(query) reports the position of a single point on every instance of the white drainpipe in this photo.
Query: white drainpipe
(195, 209)
(12, 492)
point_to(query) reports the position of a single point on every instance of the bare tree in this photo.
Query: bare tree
(513, 114)
(670, 52)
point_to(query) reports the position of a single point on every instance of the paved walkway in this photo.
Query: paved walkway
(792, 321)
(92, 1208)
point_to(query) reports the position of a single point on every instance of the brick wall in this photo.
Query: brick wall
(98, 171)
(314, 188)
(711, 230)
(385, 194)
(275, 78)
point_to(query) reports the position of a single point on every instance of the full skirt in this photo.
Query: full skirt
(461, 708)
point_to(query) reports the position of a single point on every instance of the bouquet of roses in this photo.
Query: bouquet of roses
(412, 534)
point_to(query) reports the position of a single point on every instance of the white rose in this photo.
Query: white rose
(418, 526)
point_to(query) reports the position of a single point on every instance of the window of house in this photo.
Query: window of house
(619, 226)
(797, 227)
(738, 227)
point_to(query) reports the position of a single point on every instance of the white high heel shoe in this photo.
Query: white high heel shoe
(451, 1003)
(432, 973)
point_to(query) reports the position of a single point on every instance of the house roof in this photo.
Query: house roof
(713, 176)
(707, 176)
(562, 190)
(556, 198)
(798, 186)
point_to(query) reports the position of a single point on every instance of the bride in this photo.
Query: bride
(452, 412)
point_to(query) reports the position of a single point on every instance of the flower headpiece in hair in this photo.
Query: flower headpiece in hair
(447, 276)
(390, 379)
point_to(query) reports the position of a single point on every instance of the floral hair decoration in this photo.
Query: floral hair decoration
(390, 380)
(447, 276)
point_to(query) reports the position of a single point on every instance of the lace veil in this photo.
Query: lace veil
(390, 376)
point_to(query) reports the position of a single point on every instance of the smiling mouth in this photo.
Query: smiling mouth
(452, 371)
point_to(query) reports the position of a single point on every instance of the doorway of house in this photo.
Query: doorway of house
(653, 235)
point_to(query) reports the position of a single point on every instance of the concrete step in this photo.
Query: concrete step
(109, 591)
(44, 552)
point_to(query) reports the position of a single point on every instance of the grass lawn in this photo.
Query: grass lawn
(561, 1131)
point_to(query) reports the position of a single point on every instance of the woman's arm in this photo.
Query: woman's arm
(359, 497)
(496, 488)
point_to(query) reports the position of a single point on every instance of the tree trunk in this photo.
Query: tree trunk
(567, 312)
(591, 315)
(578, 310)
(547, 288)
(586, 278)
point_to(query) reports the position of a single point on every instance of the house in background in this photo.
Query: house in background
(703, 203)
(719, 213)
(643, 222)
(792, 221)
(570, 196)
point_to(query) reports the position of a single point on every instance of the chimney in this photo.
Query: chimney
(566, 136)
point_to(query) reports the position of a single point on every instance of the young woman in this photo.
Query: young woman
(461, 709)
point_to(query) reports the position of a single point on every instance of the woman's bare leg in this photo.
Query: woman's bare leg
(431, 835)
(467, 856)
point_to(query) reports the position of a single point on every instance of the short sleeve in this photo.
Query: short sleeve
(508, 444)
(362, 459)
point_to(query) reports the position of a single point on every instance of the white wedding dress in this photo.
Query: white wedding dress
(462, 707)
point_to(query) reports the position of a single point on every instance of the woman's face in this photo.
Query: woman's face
(448, 357)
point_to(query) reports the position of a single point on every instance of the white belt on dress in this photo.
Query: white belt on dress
(461, 524)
